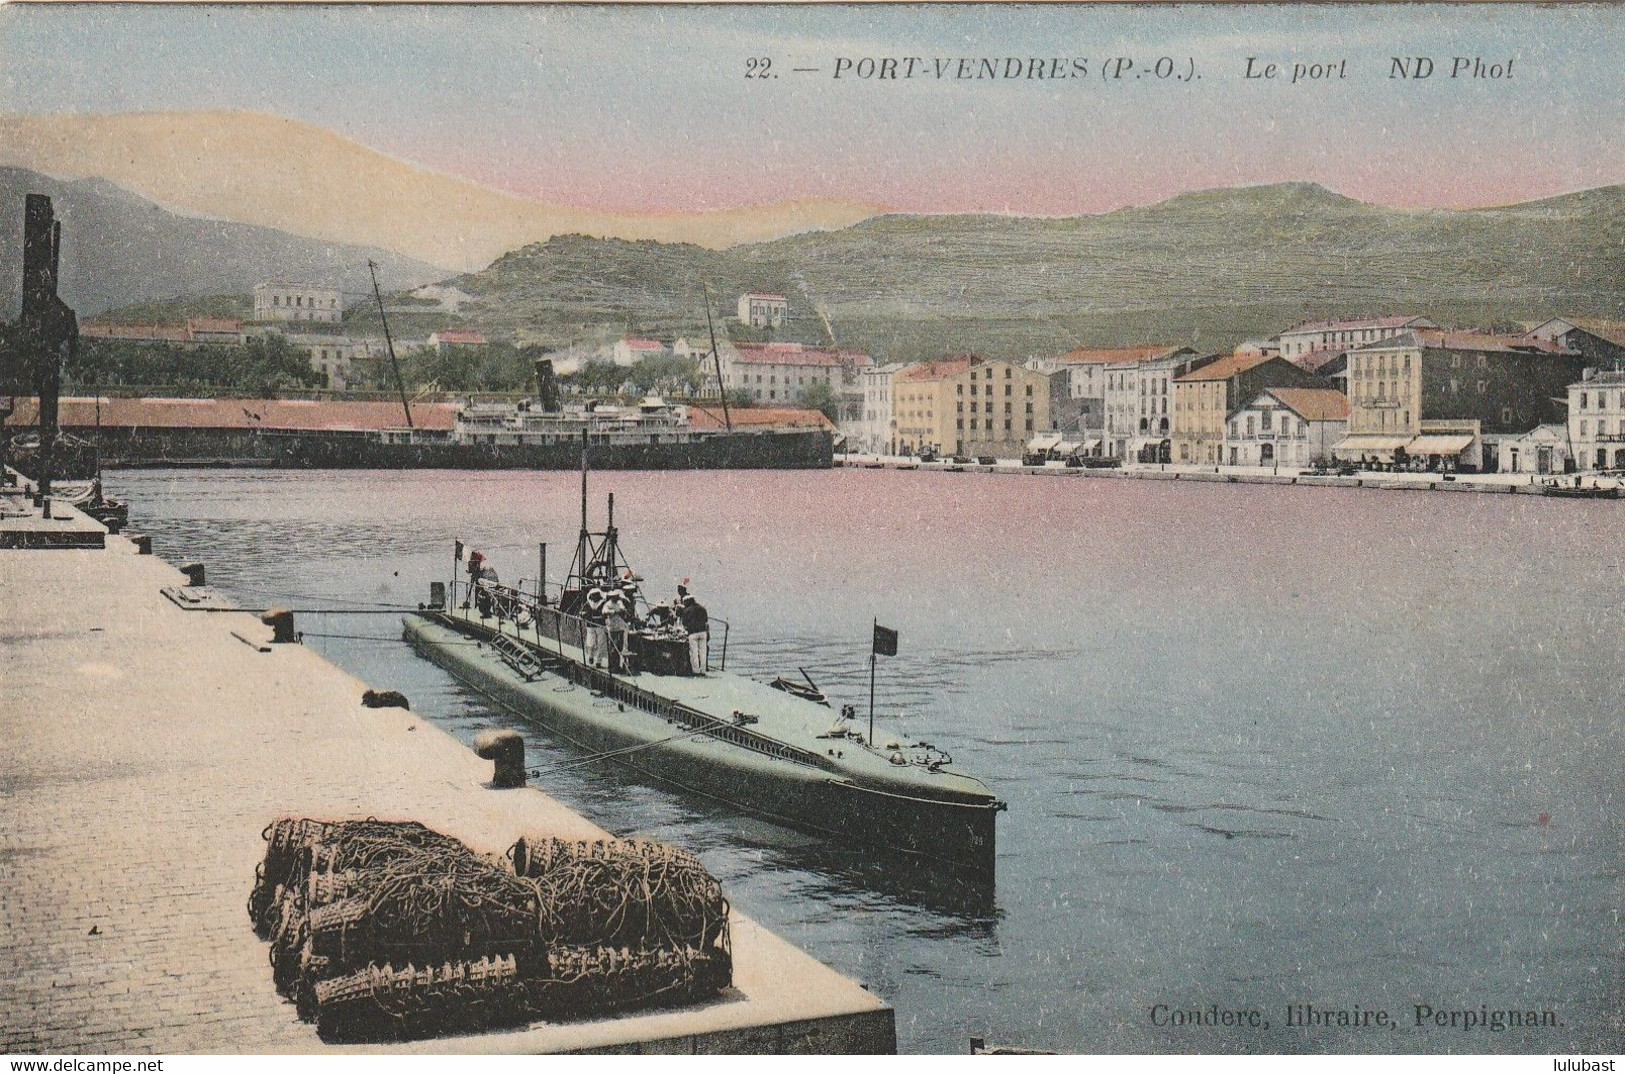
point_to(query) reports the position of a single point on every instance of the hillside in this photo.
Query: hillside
(278, 172)
(1208, 268)
(118, 249)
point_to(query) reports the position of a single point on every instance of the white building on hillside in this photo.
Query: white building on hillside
(632, 349)
(298, 302)
(760, 309)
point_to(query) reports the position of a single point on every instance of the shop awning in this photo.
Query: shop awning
(1373, 443)
(1042, 443)
(1445, 445)
(1140, 443)
(1066, 447)
(1090, 445)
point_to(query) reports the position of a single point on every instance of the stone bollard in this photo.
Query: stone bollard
(194, 573)
(507, 749)
(280, 620)
(142, 542)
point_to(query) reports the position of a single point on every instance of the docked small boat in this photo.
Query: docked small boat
(629, 692)
(1578, 491)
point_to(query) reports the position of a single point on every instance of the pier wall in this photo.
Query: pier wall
(148, 746)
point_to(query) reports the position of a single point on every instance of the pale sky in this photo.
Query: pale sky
(648, 108)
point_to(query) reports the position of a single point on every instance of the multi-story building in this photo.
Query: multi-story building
(760, 309)
(197, 331)
(1205, 397)
(1293, 427)
(298, 302)
(1086, 378)
(877, 430)
(923, 404)
(334, 357)
(1596, 424)
(781, 373)
(1302, 343)
(970, 406)
(1419, 393)
(1139, 404)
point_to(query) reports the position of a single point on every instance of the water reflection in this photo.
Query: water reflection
(1260, 745)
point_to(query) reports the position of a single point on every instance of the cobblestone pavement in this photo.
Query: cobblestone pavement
(146, 748)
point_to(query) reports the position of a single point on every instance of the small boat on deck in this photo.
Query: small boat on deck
(632, 696)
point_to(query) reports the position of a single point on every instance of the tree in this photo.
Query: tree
(740, 398)
(821, 397)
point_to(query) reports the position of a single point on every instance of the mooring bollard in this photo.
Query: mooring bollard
(507, 749)
(194, 573)
(280, 620)
(142, 542)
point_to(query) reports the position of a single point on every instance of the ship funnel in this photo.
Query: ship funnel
(547, 385)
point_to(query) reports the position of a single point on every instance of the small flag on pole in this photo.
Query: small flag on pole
(459, 552)
(885, 641)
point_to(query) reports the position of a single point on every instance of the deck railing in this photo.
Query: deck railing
(507, 604)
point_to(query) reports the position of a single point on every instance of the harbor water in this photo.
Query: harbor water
(1263, 746)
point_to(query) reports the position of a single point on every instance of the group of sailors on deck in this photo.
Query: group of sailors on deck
(611, 615)
(609, 612)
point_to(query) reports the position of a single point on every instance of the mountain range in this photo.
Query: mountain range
(1207, 268)
(118, 249)
(305, 180)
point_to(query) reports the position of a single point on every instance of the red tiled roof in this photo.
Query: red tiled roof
(942, 367)
(1442, 339)
(1314, 404)
(1225, 367)
(1343, 326)
(166, 332)
(797, 354)
(710, 417)
(213, 324)
(767, 295)
(284, 414)
(638, 344)
(1115, 355)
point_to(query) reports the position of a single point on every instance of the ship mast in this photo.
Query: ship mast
(400, 385)
(722, 389)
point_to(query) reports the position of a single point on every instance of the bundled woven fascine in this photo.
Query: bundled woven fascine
(383, 1003)
(623, 893)
(577, 929)
(294, 845)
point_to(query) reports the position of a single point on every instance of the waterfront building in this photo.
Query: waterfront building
(1596, 420)
(877, 430)
(1303, 342)
(762, 309)
(298, 302)
(1601, 342)
(629, 350)
(968, 405)
(1086, 387)
(1137, 393)
(1405, 390)
(1542, 450)
(1206, 395)
(1295, 427)
(782, 373)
